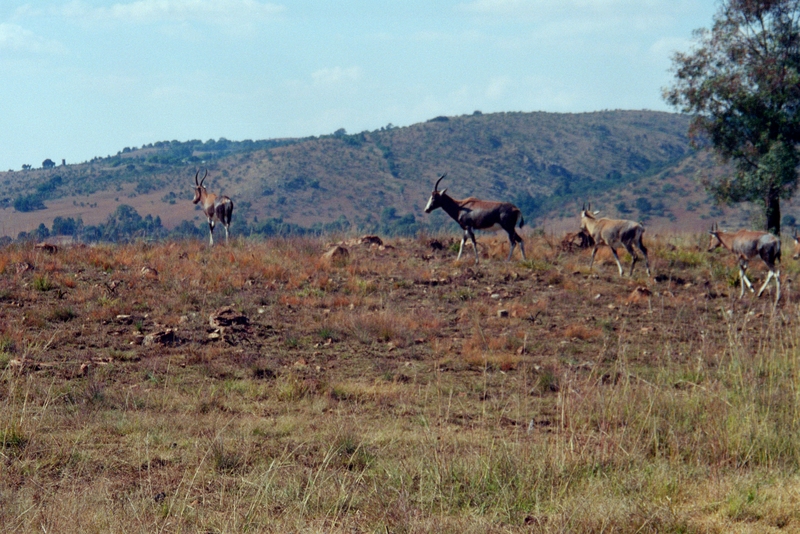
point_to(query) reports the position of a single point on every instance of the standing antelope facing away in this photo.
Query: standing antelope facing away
(746, 244)
(614, 233)
(215, 207)
(474, 214)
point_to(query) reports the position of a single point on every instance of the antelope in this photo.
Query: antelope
(796, 255)
(746, 244)
(213, 206)
(475, 214)
(614, 233)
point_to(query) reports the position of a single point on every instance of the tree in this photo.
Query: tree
(48, 164)
(742, 84)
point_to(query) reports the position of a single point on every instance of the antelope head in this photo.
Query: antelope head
(199, 188)
(587, 213)
(715, 241)
(436, 196)
(796, 240)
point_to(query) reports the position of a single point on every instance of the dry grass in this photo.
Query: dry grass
(389, 394)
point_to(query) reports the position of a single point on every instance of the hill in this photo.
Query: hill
(636, 164)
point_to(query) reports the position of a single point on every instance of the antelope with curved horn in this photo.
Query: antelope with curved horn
(475, 214)
(746, 244)
(614, 233)
(215, 207)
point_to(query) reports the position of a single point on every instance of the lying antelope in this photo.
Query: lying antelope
(614, 233)
(746, 244)
(213, 206)
(475, 214)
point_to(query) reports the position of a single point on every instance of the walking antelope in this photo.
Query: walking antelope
(614, 233)
(475, 214)
(215, 207)
(746, 244)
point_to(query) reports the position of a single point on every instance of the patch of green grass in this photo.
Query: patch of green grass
(63, 314)
(6, 344)
(683, 258)
(13, 439)
(325, 333)
(225, 460)
(461, 294)
(537, 265)
(41, 282)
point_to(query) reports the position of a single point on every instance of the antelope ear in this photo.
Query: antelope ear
(443, 191)
(595, 212)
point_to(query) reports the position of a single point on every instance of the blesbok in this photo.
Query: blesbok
(475, 214)
(796, 239)
(746, 244)
(614, 233)
(215, 207)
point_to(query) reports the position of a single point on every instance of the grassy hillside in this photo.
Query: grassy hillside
(633, 163)
(164, 388)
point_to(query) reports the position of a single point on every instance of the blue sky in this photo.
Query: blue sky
(84, 78)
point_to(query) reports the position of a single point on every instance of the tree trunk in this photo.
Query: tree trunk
(773, 213)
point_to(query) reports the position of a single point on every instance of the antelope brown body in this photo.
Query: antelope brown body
(215, 207)
(746, 244)
(614, 233)
(475, 214)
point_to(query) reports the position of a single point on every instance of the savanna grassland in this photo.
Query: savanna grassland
(257, 387)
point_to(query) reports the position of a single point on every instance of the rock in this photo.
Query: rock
(46, 247)
(226, 322)
(161, 337)
(502, 313)
(371, 240)
(337, 255)
(227, 317)
(638, 295)
(149, 272)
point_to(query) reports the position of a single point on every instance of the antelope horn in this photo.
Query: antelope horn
(195, 177)
(436, 186)
(204, 177)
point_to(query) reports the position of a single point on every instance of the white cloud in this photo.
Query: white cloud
(498, 87)
(531, 7)
(640, 14)
(18, 39)
(152, 11)
(336, 75)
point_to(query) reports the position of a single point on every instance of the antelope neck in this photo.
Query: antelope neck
(450, 205)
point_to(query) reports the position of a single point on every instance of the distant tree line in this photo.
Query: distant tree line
(125, 224)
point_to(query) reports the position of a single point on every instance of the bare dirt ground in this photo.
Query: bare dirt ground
(263, 387)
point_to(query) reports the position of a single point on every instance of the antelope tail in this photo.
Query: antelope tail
(521, 221)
